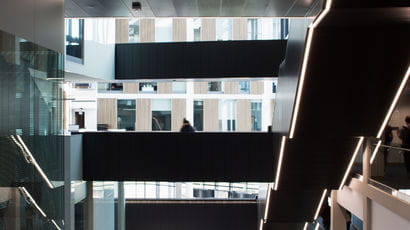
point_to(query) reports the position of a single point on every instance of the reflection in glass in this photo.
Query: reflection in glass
(267, 28)
(74, 30)
(199, 115)
(126, 114)
(161, 114)
(193, 29)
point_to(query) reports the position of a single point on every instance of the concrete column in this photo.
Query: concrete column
(366, 176)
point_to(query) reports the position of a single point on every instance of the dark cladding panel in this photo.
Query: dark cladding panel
(215, 59)
(159, 156)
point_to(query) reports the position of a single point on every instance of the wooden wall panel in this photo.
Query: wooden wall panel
(208, 32)
(107, 112)
(147, 30)
(121, 30)
(231, 87)
(243, 115)
(178, 113)
(211, 111)
(164, 87)
(179, 29)
(257, 87)
(200, 87)
(239, 29)
(131, 87)
(143, 113)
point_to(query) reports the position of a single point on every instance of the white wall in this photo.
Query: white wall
(99, 50)
(382, 219)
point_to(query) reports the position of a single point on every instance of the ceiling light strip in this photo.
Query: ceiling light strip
(306, 225)
(317, 226)
(261, 224)
(34, 162)
(306, 54)
(278, 169)
(322, 198)
(265, 216)
(376, 150)
(356, 151)
(31, 200)
(55, 224)
(26, 157)
(395, 100)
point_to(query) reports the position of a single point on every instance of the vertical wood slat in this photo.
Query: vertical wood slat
(107, 112)
(231, 87)
(257, 87)
(178, 113)
(200, 87)
(144, 122)
(164, 87)
(147, 30)
(243, 115)
(211, 111)
(179, 30)
(208, 32)
(239, 29)
(130, 87)
(121, 30)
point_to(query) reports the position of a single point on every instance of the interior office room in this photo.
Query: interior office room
(207, 114)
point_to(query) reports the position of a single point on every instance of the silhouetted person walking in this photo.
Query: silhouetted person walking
(404, 135)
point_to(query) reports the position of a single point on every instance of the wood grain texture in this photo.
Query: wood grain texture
(147, 30)
(121, 30)
(179, 30)
(107, 112)
(208, 32)
(211, 111)
(164, 87)
(239, 28)
(231, 87)
(130, 87)
(178, 113)
(257, 87)
(143, 113)
(243, 115)
(200, 87)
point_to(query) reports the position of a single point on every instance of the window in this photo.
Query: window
(74, 32)
(284, 28)
(193, 29)
(256, 115)
(227, 115)
(82, 85)
(110, 87)
(163, 30)
(126, 114)
(265, 28)
(134, 30)
(223, 29)
(147, 87)
(161, 114)
(244, 87)
(199, 115)
(179, 87)
(215, 87)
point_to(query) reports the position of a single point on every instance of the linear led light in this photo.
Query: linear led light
(282, 150)
(34, 162)
(26, 157)
(356, 151)
(261, 225)
(299, 90)
(317, 226)
(393, 104)
(31, 200)
(375, 151)
(55, 224)
(320, 204)
(265, 216)
(306, 225)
